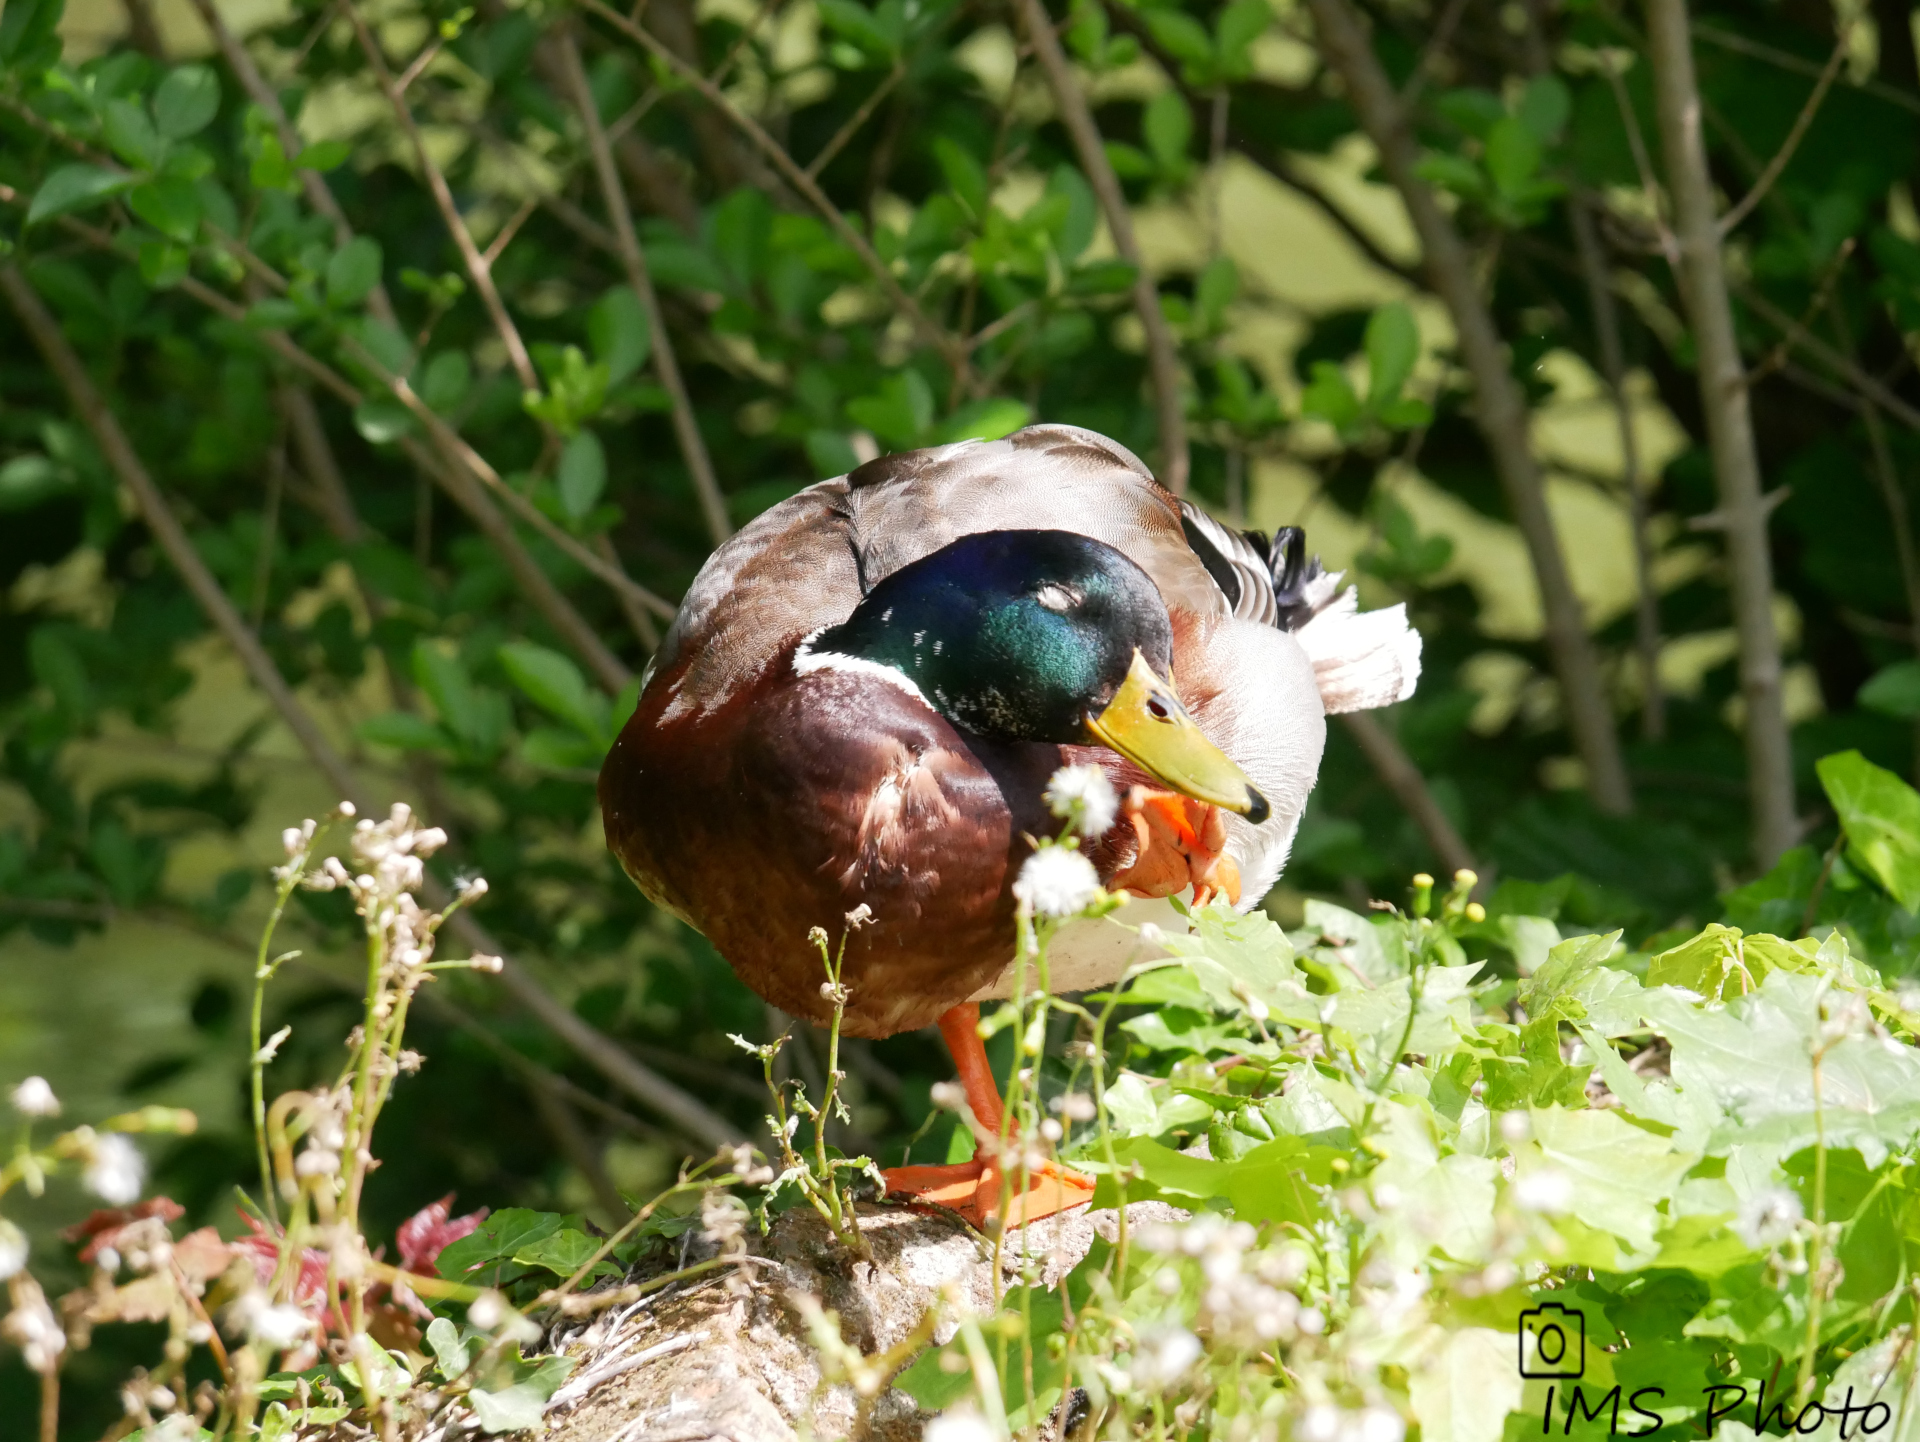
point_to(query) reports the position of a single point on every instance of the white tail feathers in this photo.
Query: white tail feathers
(1361, 659)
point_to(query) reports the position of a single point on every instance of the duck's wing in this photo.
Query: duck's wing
(1361, 659)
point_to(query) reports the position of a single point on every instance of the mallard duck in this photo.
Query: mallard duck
(867, 689)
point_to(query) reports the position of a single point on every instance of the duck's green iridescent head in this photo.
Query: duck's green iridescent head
(1045, 636)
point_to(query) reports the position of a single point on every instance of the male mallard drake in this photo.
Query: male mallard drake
(867, 688)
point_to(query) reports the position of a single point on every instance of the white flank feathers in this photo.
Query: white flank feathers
(1361, 659)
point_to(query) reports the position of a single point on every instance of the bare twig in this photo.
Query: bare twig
(1843, 365)
(1723, 399)
(1801, 122)
(641, 1082)
(854, 121)
(1500, 409)
(1430, 54)
(686, 426)
(479, 269)
(1400, 776)
(1163, 360)
(1606, 325)
(929, 330)
(1744, 45)
(262, 94)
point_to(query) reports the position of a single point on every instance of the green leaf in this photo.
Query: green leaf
(1894, 690)
(831, 452)
(323, 155)
(1544, 107)
(130, 134)
(563, 1252)
(1392, 346)
(1463, 1388)
(353, 271)
(557, 748)
(496, 1240)
(555, 685)
(1881, 815)
(403, 731)
(1513, 158)
(1167, 125)
(617, 327)
(446, 380)
(75, 187)
(966, 177)
(518, 1408)
(1239, 25)
(25, 25)
(582, 475)
(451, 1354)
(1329, 397)
(984, 420)
(900, 414)
(186, 101)
(171, 207)
(1620, 1174)
(1181, 35)
(382, 420)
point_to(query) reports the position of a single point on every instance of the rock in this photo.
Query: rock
(728, 1355)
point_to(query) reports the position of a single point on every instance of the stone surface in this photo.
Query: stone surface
(727, 1355)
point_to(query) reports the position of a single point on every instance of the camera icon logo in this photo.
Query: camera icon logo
(1553, 1342)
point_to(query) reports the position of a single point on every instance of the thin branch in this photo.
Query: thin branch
(1801, 122)
(93, 411)
(1642, 161)
(1741, 45)
(1500, 409)
(478, 268)
(686, 426)
(1430, 54)
(1729, 421)
(929, 331)
(1163, 360)
(854, 121)
(1606, 325)
(1400, 776)
(1805, 340)
(262, 94)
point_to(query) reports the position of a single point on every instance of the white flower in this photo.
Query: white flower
(280, 1328)
(1545, 1189)
(487, 1311)
(1058, 881)
(958, 1424)
(32, 1327)
(13, 1249)
(34, 1098)
(1161, 1357)
(1084, 796)
(116, 1171)
(1768, 1217)
(1326, 1423)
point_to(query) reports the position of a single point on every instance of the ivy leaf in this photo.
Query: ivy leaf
(449, 1351)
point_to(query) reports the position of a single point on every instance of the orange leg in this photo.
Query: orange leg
(973, 1188)
(1181, 842)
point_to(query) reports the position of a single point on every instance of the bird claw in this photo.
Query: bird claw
(1181, 843)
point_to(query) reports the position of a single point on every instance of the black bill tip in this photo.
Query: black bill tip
(1257, 808)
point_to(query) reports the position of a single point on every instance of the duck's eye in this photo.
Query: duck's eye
(1056, 596)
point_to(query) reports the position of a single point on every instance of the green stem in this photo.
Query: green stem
(263, 972)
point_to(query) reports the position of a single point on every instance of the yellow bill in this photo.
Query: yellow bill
(1146, 723)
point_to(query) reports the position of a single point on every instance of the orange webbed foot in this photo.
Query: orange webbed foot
(973, 1189)
(1181, 842)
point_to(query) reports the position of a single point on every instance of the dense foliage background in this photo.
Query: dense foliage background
(453, 337)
